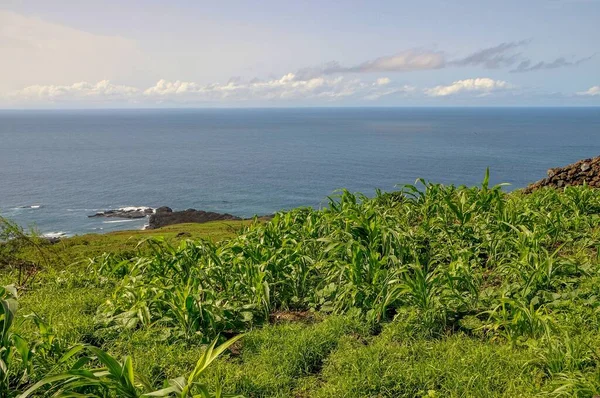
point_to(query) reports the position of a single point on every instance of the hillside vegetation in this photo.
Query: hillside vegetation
(432, 291)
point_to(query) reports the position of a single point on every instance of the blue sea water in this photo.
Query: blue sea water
(57, 167)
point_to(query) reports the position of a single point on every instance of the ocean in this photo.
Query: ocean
(57, 167)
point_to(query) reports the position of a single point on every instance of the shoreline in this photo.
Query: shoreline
(585, 171)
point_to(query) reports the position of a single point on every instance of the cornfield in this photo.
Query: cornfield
(499, 260)
(501, 267)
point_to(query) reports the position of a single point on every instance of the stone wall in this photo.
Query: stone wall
(586, 170)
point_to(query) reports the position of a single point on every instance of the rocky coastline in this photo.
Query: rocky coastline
(164, 216)
(131, 213)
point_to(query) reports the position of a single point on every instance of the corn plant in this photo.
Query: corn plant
(15, 354)
(445, 251)
(114, 378)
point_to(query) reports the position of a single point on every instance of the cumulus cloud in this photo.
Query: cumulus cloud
(592, 91)
(482, 86)
(529, 66)
(102, 90)
(287, 87)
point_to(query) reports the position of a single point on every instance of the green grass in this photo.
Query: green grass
(456, 366)
(92, 245)
(436, 292)
(67, 295)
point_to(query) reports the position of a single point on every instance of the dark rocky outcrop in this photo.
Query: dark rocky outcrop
(125, 213)
(584, 171)
(166, 216)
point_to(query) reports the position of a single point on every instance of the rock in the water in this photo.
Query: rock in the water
(585, 171)
(125, 213)
(166, 216)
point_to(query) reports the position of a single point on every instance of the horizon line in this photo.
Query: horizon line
(303, 107)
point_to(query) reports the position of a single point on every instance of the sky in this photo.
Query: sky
(145, 54)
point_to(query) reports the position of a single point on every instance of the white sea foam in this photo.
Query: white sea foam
(58, 234)
(128, 209)
(135, 208)
(117, 221)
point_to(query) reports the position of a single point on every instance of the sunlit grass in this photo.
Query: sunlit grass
(430, 291)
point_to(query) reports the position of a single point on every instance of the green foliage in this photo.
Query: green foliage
(454, 367)
(13, 242)
(448, 252)
(429, 291)
(276, 359)
(14, 350)
(21, 359)
(114, 378)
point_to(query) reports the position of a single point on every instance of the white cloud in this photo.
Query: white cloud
(103, 90)
(287, 87)
(481, 85)
(592, 91)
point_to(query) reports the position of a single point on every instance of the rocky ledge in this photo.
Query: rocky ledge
(164, 216)
(585, 171)
(125, 213)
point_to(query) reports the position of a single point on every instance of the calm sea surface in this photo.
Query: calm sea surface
(56, 167)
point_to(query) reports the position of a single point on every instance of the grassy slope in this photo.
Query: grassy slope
(275, 360)
(339, 356)
(86, 246)
(66, 295)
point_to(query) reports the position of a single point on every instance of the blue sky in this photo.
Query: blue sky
(86, 54)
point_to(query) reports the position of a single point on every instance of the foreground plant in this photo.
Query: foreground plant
(15, 361)
(114, 378)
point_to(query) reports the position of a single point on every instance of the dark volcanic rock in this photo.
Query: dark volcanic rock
(585, 171)
(166, 216)
(125, 213)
